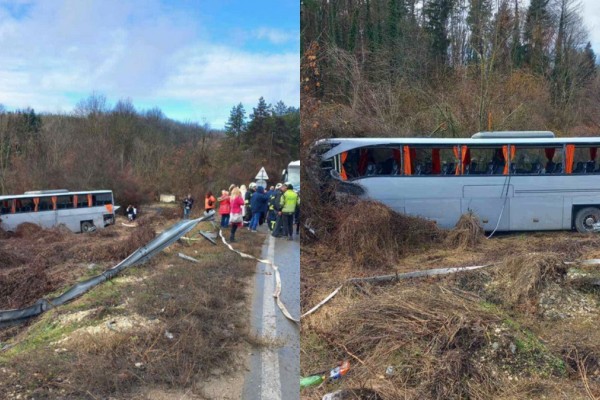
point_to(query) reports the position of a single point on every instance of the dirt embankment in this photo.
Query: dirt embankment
(159, 330)
(522, 327)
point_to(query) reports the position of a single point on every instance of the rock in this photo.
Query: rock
(495, 346)
(513, 348)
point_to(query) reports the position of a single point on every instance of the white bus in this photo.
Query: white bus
(513, 181)
(292, 174)
(82, 211)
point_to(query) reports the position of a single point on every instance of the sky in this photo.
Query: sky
(591, 20)
(193, 59)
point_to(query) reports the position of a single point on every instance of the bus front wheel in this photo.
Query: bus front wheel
(586, 218)
(87, 226)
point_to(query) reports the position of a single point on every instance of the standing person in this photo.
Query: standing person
(209, 202)
(188, 203)
(243, 191)
(224, 208)
(258, 204)
(248, 204)
(278, 228)
(272, 206)
(289, 202)
(130, 212)
(237, 205)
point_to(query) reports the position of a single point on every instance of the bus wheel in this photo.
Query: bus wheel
(586, 218)
(87, 227)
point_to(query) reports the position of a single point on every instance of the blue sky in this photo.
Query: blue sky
(194, 59)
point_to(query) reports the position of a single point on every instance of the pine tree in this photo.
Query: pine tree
(235, 126)
(538, 27)
(437, 13)
(478, 20)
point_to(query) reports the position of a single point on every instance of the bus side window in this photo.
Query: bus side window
(5, 207)
(64, 202)
(45, 204)
(584, 160)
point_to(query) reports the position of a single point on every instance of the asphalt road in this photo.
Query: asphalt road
(275, 370)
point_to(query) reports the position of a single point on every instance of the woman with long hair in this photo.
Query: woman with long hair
(236, 202)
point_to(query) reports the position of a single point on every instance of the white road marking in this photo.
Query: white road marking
(270, 381)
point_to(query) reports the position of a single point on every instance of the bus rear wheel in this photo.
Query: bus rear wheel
(586, 218)
(87, 226)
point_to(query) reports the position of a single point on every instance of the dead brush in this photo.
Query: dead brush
(518, 281)
(21, 287)
(373, 235)
(467, 233)
(429, 333)
(118, 250)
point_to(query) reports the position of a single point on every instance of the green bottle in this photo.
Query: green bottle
(311, 381)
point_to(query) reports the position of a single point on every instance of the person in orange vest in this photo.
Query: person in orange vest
(209, 202)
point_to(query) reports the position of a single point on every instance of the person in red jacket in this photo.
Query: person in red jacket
(236, 202)
(224, 208)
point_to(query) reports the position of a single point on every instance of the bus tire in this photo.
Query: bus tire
(87, 227)
(585, 218)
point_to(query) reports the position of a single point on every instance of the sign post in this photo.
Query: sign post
(261, 178)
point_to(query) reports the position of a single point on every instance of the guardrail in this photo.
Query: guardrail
(141, 255)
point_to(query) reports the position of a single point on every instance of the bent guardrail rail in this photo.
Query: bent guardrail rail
(141, 255)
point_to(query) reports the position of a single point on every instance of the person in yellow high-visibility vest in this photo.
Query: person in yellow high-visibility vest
(289, 202)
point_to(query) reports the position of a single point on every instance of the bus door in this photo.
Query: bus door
(491, 203)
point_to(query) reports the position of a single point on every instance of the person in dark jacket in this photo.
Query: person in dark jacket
(258, 203)
(273, 206)
(278, 227)
(247, 203)
(188, 203)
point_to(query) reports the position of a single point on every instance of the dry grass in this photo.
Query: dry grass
(467, 233)
(520, 279)
(37, 261)
(474, 335)
(373, 235)
(203, 306)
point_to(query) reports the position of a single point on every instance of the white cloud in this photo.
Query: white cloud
(136, 49)
(275, 36)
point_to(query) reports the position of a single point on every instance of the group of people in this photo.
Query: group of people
(252, 206)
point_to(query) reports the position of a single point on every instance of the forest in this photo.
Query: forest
(449, 68)
(140, 154)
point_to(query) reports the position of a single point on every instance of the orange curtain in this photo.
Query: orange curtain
(569, 158)
(507, 160)
(593, 153)
(74, 201)
(466, 157)
(13, 208)
(407, 161)
(89, 199)
(457, 156)
(343, 158)
(109, 208)
(36, 202)
(54, 198)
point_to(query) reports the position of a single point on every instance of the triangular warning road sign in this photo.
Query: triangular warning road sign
(262, 174)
